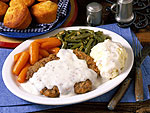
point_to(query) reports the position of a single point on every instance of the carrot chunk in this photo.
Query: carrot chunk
(34, 52)
(40, 57)
(23, 59)
(54, 50)
(43, 53)
(16, 56)
(44, 40)
(54, 42)
(22, 76)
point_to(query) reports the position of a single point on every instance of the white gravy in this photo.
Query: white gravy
(63, 73)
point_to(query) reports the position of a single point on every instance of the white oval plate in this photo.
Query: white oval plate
(15, 88)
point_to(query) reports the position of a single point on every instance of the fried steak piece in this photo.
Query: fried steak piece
(54, 92)
(39, 64)
(79, 88)
(83, 87)
(89, 60)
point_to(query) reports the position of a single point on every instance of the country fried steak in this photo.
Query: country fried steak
(79, 88)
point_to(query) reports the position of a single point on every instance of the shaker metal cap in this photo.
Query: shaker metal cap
(94, 7)
(125, 1)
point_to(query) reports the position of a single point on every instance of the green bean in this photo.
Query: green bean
(64, 45)
(72, 40)
(82, 30)
(88, 46)
(83, 39)
(72, 37)
(70, 31)
(59, 37)
(86, 31)
(78, 33)
(94, 43)
(62, 32)
(69, 35)
(82, 36)
(91, 31)
(99, 33)
(86, 41)
(98, 38)
(81, 47)
(91, 36)
(72, 44)
(76, 46)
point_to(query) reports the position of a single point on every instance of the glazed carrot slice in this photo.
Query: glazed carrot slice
(43, 53)
(22, 76)
(44, 40)
(54, 42)
(23, 59)
(16, 56)
(40, 57)
(54, 50)
(34, 52)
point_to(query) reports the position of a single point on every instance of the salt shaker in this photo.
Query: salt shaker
(94, 14)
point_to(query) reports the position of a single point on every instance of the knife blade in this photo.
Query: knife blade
(125, 84)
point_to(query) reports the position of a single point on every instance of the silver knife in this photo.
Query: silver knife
(125, 84)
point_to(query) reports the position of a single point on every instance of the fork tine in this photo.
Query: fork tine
(137, 50)
(134, 44)
(139, 53)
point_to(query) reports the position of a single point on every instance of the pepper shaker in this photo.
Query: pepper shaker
(123, 10)
(94, 14)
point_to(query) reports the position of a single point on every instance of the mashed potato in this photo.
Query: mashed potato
(110, 57)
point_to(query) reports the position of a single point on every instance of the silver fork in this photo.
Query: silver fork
(138, 74)
(138, 78)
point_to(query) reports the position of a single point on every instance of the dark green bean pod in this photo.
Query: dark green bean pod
(72, 44)
(88, 46)
(69, 35)
(72, 40)
(70, 31)
(91, 31)
(60, 37)
(82, 36)
(86, 31)
(81, 47)
(94, 43)
(99, 33)
(64, 45)
(98, 38)
(62, 32)
(82, 30)
(83, 39)
(76, 46)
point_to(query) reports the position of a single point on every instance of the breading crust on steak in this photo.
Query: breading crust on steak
(39, 64)
(79, 88)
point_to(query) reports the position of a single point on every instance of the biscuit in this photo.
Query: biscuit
(4, 0)
(44, 12)
(17, 17)
(28, 3)
(3, 9)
